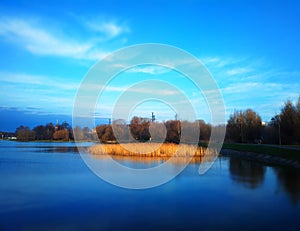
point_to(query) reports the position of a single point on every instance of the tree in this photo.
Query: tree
(173, 131)
(39, 132)
(25, 134)
(298, 105)
(105, 133)
(61, 135)
(205, 131)
(297, 135)
(121, 131)
(87, 133)
(234, 127)
(158, 132)
(244, 126)
(289, 121)
(49, 131)
(252, 129)
(139, 128)
(78, 133)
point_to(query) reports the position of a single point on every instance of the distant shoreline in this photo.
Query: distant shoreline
(271, 155)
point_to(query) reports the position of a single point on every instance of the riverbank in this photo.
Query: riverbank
(268, 154)
(283, 151)
(263, 158)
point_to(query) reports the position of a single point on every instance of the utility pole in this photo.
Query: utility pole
(276, 121)
(152, 117)
(279, 133)
(239, 122)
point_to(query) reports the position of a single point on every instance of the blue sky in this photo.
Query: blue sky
(251, 49)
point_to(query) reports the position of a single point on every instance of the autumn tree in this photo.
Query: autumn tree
(234, 127)
(25, 134)
(173, 131)
(62, 134)
(40, 132)
(244, 126)
(205, 130)
(158, 132)
(105, 133)
(290, 122)
(139, 128)
(49, 131)
(121, 131)
(253, 125)
(78, 133)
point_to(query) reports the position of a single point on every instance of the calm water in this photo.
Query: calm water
(47, 186)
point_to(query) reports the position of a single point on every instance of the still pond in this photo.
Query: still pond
(47, 186)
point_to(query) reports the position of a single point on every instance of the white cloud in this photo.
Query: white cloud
(31, 80)
(39, 41)
(110, 29)
(238, 71)
(222, 62)
(149, 70)
(148, 90)
(33, 37)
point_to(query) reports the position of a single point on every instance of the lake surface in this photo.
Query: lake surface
(47, 186)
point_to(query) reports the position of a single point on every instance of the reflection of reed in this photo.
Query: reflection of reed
(154, 160)
(152, 152)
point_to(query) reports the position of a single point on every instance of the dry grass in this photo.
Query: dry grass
(143, 150)
(158, 160)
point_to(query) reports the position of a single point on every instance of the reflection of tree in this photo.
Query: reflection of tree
(248, 173)
(290, 180)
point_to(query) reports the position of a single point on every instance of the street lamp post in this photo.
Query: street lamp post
(277, 121)
(239, 121)
(279, 134)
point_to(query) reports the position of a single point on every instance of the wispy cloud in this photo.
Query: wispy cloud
(250, 82)
(31, 80)
(238, 71)
(110, 29)
(154, 70)
(39, 41)
(120, 89)
(222, 62)
(35, 91)
(35, 38)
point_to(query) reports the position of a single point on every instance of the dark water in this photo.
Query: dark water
(46, 186)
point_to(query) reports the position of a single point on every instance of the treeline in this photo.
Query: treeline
(242, 127)
(45, 132)
(142, 129)
(63, 132)
(247, 126)
(139, 129)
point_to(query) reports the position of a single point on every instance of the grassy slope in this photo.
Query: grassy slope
(284, 151)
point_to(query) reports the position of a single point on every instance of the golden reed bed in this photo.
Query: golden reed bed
(148, 150)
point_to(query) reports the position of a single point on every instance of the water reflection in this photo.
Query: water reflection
(57, 191)
(141, 161)
(62, 149)
(248, 173)
(54, 149)
(289, 181)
